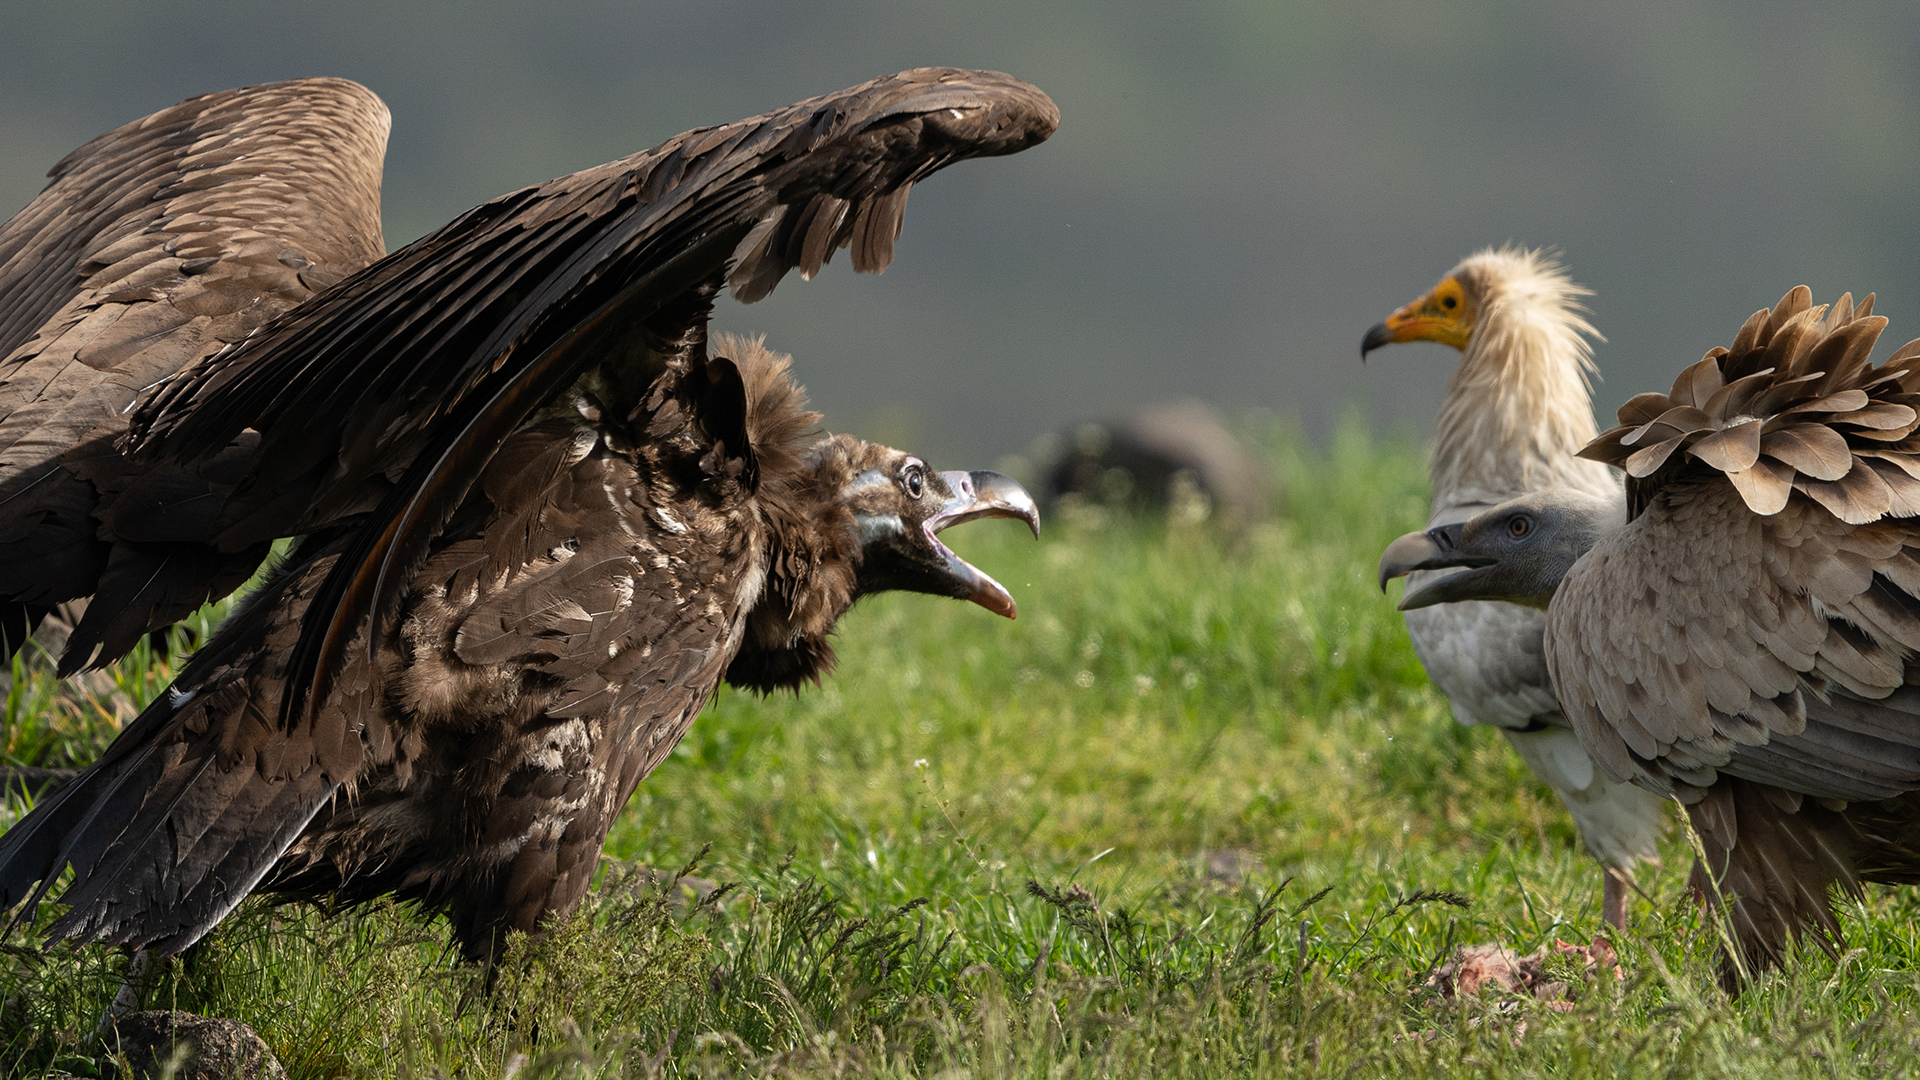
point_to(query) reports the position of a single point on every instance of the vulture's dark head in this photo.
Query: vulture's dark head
(898, 505)
(1518, 551)
(846, 519)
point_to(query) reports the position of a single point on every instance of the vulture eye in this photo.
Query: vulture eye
(1519, 526)
(1450, 302)
(915, 480)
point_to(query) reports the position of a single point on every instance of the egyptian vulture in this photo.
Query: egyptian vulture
(1743, 637)
(542, 517)
(1515, 414)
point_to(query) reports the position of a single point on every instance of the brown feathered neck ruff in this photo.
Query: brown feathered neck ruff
(812, 541)
(1793, 406)
(1519, 406)
(779, 424)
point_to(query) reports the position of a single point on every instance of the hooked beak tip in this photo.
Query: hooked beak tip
(1410, 552)
(1380, 334)
(983, 494)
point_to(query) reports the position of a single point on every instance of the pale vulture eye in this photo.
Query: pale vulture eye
(1519, 527)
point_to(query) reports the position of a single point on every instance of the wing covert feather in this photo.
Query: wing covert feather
(1701, 630)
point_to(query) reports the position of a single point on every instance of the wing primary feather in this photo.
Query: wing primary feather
(64, 853)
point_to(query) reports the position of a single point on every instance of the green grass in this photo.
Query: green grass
(1196, 813)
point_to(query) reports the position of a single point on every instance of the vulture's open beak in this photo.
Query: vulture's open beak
(981, 495)
(1437, 548)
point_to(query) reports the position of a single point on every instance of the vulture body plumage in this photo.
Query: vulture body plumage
(1745, 642)
(1516, 413)
(542, 518)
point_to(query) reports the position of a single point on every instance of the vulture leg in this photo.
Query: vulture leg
(1613, 900)
(127, 998)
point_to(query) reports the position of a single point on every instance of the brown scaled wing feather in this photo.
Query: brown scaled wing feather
(154, 246)
(507, 442)
(1770, 581)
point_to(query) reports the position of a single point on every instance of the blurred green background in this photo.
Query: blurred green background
(1238, 191)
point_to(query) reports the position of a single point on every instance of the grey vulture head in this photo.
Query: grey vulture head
(1518, 551)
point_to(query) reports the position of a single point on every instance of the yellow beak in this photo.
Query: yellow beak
(1443, 315)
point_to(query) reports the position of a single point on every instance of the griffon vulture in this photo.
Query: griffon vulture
(1743, 637)
(1515, 415)
(543, 516)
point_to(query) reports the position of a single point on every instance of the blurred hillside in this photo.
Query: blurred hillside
(1238, 191)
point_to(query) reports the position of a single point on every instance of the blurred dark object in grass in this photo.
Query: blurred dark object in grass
(1176, 457)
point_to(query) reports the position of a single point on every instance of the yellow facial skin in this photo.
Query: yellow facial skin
(1444, 315)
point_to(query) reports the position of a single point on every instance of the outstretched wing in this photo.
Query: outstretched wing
(412, 373)
(156, 245)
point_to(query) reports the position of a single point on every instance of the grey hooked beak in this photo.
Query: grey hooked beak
(1434, 549)
(977, 495)
(1379, 334)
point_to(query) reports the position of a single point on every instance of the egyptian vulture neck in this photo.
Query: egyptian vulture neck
(1519, 407)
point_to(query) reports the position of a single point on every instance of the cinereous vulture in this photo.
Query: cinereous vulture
(1744, 642)
(542, 517)
(1516, 413)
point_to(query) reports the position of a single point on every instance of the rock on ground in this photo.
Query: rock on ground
(141, 1045)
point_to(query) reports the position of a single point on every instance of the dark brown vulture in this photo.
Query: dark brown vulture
(1516, 413)
(1745, 642)
(156, 245)
(542, 515)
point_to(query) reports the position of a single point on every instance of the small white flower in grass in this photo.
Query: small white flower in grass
(920, 763)
(1142, 684)
(873, 858)
(1084, 680)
